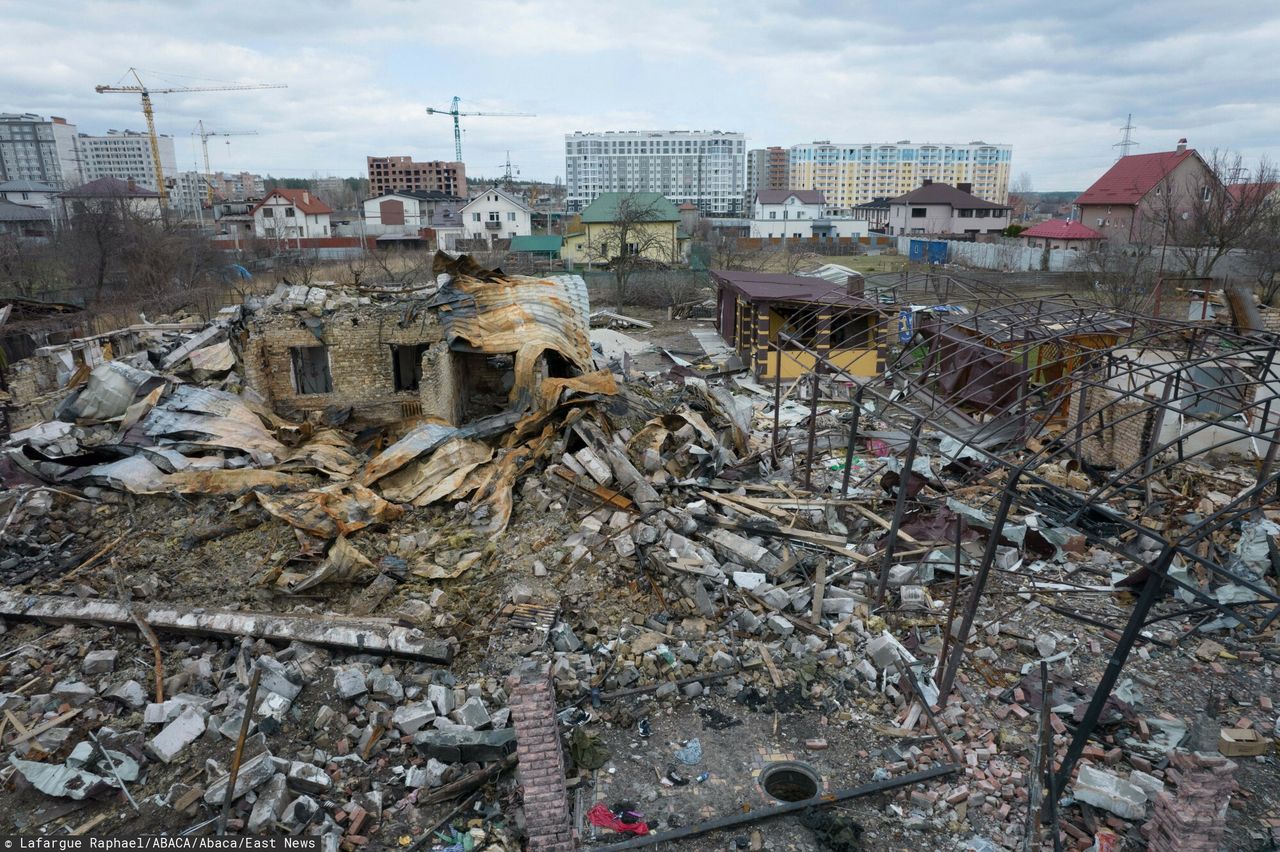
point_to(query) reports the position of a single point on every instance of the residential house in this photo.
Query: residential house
(24, 222)
(807, 316)
(30, 193)
(654, 230)
(1060, 234)
(540, 245)
(496, 214)
(109, 195)
(939, 208)
(289, 214)
(874, 212)
(414, 215)
(800, 214)
(1136, 199)
(234, 218)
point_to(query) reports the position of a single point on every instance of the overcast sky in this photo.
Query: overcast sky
(1055, 80)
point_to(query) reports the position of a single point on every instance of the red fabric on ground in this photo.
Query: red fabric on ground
(601, 816)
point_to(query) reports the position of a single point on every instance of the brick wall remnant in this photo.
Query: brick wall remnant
(1193, 820)
(548, 818)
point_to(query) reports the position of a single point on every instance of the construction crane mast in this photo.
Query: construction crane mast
(146, 92)
(457, 127)
(204, 135)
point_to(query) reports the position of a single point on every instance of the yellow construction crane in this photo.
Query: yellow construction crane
(204, 135)
(457, 128)
(146, 92)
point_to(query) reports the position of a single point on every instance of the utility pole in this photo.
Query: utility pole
(1127, 141)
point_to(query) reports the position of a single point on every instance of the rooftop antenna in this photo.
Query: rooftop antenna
(1127, 141)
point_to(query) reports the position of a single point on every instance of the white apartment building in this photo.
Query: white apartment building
(32, 148)
(703, 168)
(125, 155)
(850, 174)
(496, 215)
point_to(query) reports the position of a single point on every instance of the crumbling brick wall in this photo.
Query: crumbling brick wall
(361, 361)
(546, 803)
(1121, 427)
(33, 387)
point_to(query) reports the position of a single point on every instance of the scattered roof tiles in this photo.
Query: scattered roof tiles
(780, 196)
(945, 193)
(1132, 177)
(1061, 229)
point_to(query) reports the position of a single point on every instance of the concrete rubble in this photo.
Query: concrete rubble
(704, 600)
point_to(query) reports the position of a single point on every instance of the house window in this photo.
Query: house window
(475, 217)
(406, 366)
(494, 216)
(511, 217)
(982, 214)
(1204, 193)
(966, 214)
(267, 212)
(918, 212)
(310, 369)
(289, 212)
(773, 214)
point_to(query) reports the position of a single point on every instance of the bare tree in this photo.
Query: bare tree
(1122, 276)
(1203, 217)
(1022, 184)
(729, 251)
(638, 237)
(1263, 254)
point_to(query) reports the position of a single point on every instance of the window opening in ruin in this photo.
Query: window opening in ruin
(406, 365)
(310, 367)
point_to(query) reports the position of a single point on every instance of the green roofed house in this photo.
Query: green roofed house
(541, 245)
(644, 223)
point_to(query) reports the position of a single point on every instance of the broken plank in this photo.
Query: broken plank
(606, 495)
(371, 636)
(774, 675)
(41, 728)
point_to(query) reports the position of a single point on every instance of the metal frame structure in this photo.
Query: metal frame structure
(1088, 356)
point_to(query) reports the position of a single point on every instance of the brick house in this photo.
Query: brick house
(1136, 197)
(939, 208)
(475, 346)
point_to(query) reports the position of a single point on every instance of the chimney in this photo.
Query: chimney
(927, 182)
(133, 186)
(306, 197)
(965, 187)
(1182, 144)
(855, 285)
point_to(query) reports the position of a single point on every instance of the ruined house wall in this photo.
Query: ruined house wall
(1125, 428)
(361, 363)
(33, 387)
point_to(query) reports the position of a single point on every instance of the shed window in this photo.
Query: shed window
(406, 364)
(311, 369)
(918, 212)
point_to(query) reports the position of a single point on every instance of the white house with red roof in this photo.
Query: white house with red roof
(288, 214)
(1060, 234)
(1137, 197)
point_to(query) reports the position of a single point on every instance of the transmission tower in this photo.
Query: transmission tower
(1127, 141)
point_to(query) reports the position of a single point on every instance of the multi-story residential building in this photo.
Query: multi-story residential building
(496, 214)
(391, 174)
(1142, 196)
(704, 168)
(188, 192)
(767, 168)
(125, 155)
(240, 186)
(937, 208)
(32, 148)
(853, 174)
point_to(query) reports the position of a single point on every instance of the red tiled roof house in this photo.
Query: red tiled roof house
(1060, 234)
(1137, 199)
(289, 214)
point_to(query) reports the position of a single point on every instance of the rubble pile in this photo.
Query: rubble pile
(712, 578)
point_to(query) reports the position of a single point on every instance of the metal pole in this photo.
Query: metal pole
(979, 585)
(1111, 674)
(899, 510)
(239, 752)
(853, 438)
(813, 428)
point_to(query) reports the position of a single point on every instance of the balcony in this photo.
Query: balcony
(492, 226)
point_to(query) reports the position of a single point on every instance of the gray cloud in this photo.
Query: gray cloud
(1055, 82)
